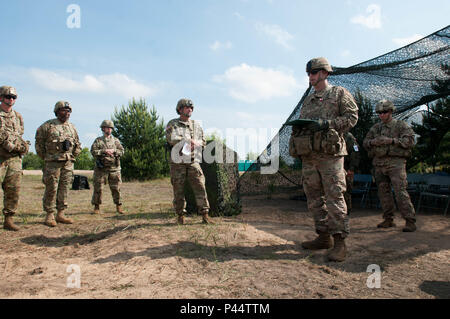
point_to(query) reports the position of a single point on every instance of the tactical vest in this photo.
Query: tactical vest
(388, 150)
(60, 141)
(108, 161)
(303, 142)
(10, 125)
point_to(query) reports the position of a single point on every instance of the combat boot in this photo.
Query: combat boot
(410, 226)
(97, 209)
(50, 220)
(60, 218)
(206, 218)
(323, 241)
(386, 224)
(119, 209)
(180, 219)
(339, 251)
(9, 223)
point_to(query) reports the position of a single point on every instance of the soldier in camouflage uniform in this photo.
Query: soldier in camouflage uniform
(185, 137)
(389, 143)
(107, 151)
(321, 147)
(12, 148)
(57, 143)
(351, 163)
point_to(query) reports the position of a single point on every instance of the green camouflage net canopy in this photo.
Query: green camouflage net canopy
(404, 76)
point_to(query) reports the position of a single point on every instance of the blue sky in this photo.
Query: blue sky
(242, 62)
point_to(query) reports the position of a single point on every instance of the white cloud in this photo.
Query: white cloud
(345, 53)
(276, 33)
(109, 83)
(373, 18)
(405, 41)
(251, 84)
(239, 16)
(217, 45)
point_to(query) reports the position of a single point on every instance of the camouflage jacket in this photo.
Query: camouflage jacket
(11, 128)
(178, 133)
(102, 159)
(336, 105)
(51, 142)
(403, 141)
(351, 161)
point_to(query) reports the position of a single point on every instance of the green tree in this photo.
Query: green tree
(32, 161)
(366, 120)
(142, 135)
(434, 127)
(85, 160)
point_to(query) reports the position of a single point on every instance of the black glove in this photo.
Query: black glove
(319, 125)
(66, 145)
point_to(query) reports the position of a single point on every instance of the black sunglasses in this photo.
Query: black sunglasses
(383, 112)
(313, 72)
(10, 97)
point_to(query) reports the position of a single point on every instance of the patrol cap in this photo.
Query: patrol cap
(8, 90)
(318, 64)
(62, 105)
(182, 103)
(107, 123)
(384, 105)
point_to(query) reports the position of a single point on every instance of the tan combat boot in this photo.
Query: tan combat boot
(410, 226)
(119, 209)
(50, 220)
(180, 219)
(9, 224)
(323, 241)
(206, 218)
(60, 218)
(386, 224)
(96, 209)
(339, 251)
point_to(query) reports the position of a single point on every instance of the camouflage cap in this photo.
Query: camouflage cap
(385, 105)
(318, 64)
(61, 105)
(107, 123)
(8, 90)
(182, 103)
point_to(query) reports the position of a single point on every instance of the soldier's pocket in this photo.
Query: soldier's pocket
(302, 145)
(332, 143)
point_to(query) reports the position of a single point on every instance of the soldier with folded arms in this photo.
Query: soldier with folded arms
(12, 148)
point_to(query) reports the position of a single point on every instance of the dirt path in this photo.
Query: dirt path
(257, 254)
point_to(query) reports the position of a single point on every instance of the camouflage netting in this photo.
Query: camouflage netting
(222, 184)
(404, 76)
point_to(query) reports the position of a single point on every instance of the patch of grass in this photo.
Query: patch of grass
(122, 287)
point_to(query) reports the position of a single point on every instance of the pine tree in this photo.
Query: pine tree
(143, 137)
(434, 127)
(85, 160)
(366, 120)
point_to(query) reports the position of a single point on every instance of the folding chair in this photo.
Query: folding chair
(361, 186)
(438, 189)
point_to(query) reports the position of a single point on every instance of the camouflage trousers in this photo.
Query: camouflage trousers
(393, 176)
(194, 174)
(103, 176)
(348, 192)
(324, 186)
(11, 177)
(57, 178)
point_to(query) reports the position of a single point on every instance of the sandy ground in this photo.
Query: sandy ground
(256, 254)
